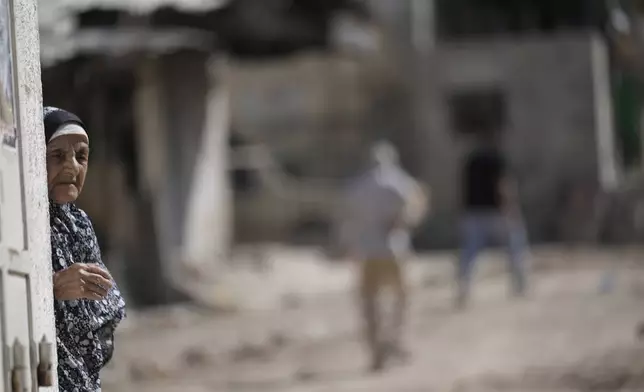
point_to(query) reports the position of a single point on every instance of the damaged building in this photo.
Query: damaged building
(542, 72)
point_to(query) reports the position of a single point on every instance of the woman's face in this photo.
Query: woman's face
(67, 158)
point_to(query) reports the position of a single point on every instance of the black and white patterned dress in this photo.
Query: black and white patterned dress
(84, 328)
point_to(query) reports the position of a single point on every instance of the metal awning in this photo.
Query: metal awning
(143, 6)
(59, 16)
(110, 42)
(132, 6)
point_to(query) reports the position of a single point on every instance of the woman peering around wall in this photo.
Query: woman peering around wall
(88, 306)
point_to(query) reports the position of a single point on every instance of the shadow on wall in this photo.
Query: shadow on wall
(144, 276)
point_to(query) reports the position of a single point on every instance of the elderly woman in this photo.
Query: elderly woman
(88, 306)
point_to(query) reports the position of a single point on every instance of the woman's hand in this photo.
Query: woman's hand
(82, 281)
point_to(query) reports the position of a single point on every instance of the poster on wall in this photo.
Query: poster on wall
(8, 131)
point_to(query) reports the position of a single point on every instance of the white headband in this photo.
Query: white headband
(69, 129)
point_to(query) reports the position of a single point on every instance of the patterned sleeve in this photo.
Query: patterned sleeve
(110, 311)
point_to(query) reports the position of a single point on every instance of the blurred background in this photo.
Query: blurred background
(223, 131)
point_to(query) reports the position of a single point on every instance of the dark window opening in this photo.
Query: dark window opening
(243, 180)
(477, 111)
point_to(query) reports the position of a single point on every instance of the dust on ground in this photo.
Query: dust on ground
(575, 332)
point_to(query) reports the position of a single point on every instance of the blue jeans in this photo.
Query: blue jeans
(482, 229)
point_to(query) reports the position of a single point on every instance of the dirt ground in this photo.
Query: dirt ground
(575, 332)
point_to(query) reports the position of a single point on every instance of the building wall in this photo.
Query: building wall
(208, 227)
(308, 109)
(558, 116)
(309, 113)
(184, 116)
(29, 95)
(555, 87)
(551, 130)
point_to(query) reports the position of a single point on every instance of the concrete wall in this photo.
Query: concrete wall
(184, 116)
(559, 119)
(208, 226)
(33, 160)
(308, 109)
(309, 113)
(551, 134)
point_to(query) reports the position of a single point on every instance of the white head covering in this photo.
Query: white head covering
(384, 153)
(69, 129)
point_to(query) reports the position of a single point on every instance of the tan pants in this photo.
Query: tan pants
(376, 276)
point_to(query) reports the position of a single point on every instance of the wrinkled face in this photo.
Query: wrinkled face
(67, 158)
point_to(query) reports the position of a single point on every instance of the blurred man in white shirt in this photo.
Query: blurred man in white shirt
(379, 211)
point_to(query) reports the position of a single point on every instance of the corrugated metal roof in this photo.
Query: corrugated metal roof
(144, 6)
(58, 15)
(134, 6)
(108, 42)
(61, 40)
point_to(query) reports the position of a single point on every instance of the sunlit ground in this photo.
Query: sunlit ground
(576, 332)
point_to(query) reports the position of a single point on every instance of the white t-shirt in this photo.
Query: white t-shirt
(373, 211)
